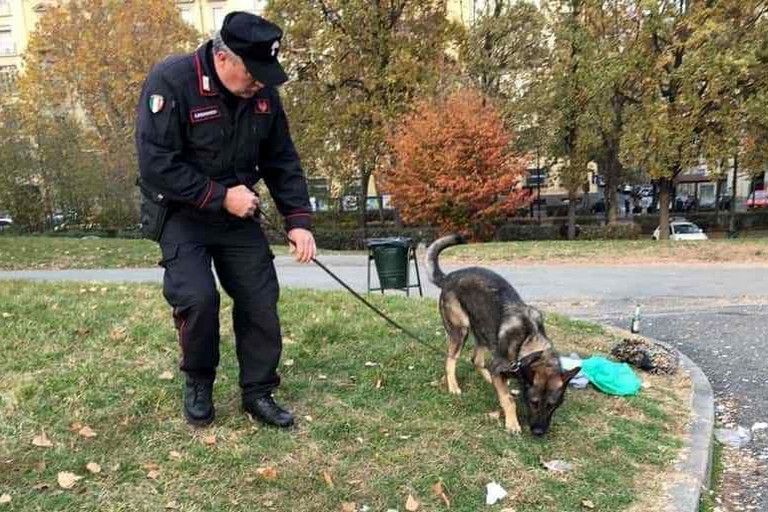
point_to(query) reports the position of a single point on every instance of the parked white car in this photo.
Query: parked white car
(5, 221)
(682, 230)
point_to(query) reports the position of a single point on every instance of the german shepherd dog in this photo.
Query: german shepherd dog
(481, 301)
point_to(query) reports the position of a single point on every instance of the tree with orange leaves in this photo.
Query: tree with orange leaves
(453, 165)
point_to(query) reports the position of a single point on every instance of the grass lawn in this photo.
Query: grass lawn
(41, 252)
(375, 420)
(613, 252)
(18, 253)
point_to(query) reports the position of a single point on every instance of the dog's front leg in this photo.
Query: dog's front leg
(510, 410)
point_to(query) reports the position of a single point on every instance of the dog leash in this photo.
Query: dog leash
(359, 297)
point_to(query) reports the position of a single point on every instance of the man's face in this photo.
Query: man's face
(235, 77)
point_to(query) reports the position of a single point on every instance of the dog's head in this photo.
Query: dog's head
(543, 387)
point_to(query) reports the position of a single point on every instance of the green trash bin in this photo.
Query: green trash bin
(392, 258)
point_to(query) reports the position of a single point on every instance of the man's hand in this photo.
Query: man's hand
(241, 202)
(303, 246)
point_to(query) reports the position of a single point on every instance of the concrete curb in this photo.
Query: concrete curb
(695, 465)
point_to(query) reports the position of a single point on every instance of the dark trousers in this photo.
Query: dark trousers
(241, 256)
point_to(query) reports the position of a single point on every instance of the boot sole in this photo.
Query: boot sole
(254, 418)
(200, 422)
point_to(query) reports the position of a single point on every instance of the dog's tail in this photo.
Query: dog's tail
(433, 268)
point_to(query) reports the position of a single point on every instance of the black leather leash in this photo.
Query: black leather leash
(269, 224)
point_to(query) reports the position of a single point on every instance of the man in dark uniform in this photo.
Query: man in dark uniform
(210, 126)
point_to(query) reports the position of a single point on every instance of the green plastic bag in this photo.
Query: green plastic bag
(611, 377)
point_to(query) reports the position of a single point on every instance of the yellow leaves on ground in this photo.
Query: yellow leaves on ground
(267, 473)
(67, 480)
(42, 441)
(412, 504)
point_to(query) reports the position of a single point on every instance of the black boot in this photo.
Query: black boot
(198, 402)
(267, 411)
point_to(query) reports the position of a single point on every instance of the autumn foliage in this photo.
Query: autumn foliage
(453, 166)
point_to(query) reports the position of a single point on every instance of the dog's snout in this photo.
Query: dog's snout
(538, 431)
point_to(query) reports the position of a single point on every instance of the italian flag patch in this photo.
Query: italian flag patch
(156, 103)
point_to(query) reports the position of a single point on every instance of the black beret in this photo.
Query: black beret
(257, 42)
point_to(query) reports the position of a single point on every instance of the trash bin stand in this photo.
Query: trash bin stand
(410, 255)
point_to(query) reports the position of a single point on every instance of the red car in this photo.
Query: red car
(759, 199)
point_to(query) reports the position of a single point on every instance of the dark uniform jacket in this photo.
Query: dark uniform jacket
(191, 147)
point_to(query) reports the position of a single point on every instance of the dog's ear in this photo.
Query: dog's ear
(568, 375)
(526, 364)
(531, 358)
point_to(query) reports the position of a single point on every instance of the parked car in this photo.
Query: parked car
(5, 221)
(683, 230)
(759, 199)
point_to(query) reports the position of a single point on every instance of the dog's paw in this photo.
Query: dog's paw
(454, 391)
(514, 429)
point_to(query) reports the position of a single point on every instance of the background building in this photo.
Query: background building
(19, 17)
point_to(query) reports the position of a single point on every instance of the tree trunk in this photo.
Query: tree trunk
(664, 189)
(611, 171)
(571, 215)
(732, 233)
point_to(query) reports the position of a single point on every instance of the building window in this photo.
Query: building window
(7, 46)
(258, 7)
(7, 79)
(218, 17)
(5, 7)
(536, 178)
(187, 15)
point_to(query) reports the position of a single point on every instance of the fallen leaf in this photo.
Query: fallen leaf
(288, 362)
(371, 364)
(267, 473)
(42, 441)
(166, 375)
(5, 498)
(93, 467)
(67, 480)
(41, 486)
(588, 504)
(75, 427)
(494, 415)
(209, 440)
(348, 506)
(40, 466)
(172, 505)
(151, 466)
(86, 432)
(175, 455)
(378, 383)
(309, 419)
(412, 504)
(153, 474)
(439, 491)
(327, 478)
